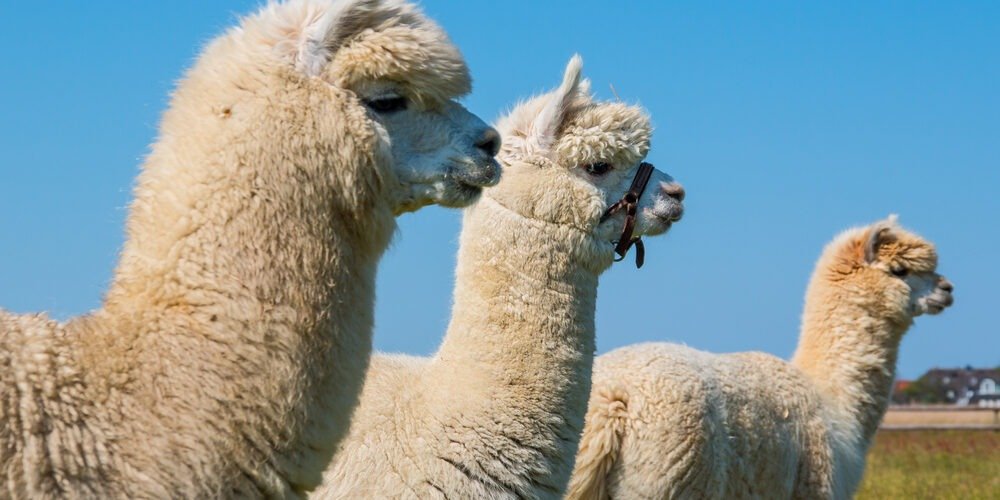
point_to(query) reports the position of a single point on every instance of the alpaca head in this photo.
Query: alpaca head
(894, 269)
(568, 158)
(371, 79)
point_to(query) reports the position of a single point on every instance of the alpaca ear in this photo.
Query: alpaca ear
(325, 31)
(543, 129)
(880, 234)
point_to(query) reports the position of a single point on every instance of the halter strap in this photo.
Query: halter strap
(630, 203)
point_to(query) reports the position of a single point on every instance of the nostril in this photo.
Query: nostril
(946, 285)
(674, 190)
(489, 142)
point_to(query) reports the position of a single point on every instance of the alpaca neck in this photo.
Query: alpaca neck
(248, 298)
(849, 353)
(521, 338)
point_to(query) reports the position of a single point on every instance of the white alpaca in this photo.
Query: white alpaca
(498, 411)
(668, 421)
(232, 344)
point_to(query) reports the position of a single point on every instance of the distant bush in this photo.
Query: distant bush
(923, 391)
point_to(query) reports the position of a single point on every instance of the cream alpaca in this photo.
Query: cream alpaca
(668, 421)
(498, 411)
(232, 344)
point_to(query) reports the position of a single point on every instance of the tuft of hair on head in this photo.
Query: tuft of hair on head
(544, 128)
(881, 233)
(326, 29)
(322, 26)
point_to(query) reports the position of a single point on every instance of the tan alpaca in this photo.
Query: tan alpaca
(668, 421)
(232, 344)
(497, 412)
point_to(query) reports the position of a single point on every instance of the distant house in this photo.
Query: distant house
(958, 386)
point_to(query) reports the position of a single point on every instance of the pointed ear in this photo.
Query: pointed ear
(326, 30)
(542, 133)
(879, 235)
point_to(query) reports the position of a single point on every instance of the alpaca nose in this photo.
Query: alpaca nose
(489, 142)
(946, 285)
(673, 190)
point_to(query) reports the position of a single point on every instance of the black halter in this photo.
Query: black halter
(630, 203)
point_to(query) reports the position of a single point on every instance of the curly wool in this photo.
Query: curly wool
(234, 339)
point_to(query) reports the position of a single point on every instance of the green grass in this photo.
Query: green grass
(933, 465)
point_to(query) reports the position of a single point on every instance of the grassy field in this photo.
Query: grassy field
(933, 465)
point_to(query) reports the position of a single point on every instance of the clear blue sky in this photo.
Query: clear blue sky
(785, 121)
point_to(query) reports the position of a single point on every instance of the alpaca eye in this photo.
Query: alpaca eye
(387, 105)
(899, 272)
(598, 169)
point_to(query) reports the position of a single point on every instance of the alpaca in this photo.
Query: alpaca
(497, 412)
(668, 421)
(232, 344)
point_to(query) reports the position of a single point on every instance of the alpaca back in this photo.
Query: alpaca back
(668, 421)
(653, 394)
(776, 429)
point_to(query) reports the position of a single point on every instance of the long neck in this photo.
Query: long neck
(245, 290)
(849, 351)
(521, 338)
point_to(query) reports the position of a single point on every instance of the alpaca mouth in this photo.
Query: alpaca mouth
(668, 207)
(665, 218)
(447, 192)
(466, 190)
(672, 215)
(478, 174)
(939, 302)
(457, 193)
(466, 180)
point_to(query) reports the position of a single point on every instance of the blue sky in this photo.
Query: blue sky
(785, 121)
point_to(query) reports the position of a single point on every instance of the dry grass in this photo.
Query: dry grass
(916, 417)
(933, 464)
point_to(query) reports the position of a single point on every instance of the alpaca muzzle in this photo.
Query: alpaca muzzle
(630, 204)
(485, 172)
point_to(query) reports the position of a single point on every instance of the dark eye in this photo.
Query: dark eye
(386, 105)
(598, 169)
(899, 272)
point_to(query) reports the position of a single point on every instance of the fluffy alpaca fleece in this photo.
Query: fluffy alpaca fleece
(498, 411)
(233, 342)
(668, 421)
